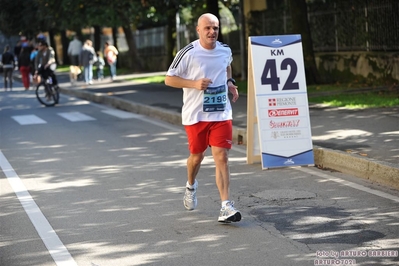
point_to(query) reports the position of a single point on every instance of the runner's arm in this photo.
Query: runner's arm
(178, 82)
(228, 70)
(232, 87)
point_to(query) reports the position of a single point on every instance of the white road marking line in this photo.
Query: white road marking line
(56, 248)
(121, 114)
(28, 119)
(350, 184)
(76, 116)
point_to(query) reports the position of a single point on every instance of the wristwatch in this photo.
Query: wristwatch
(232, 81)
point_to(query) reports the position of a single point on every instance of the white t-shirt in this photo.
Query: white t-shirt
(195, 62)
(75, 47)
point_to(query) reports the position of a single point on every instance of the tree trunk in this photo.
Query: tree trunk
(78, 32)
(135, 62)
(300, 25)
(212, 6)
(243, 44)
(115, 37)
(97, 38)
(170, 39)
(65, 44)
(115, 40)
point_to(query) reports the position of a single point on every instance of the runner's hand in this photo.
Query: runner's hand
(233, 90)
(202, 84)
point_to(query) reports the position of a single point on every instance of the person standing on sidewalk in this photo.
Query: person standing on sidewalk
(7, 59)
(111, 54)
(24, 64)
(100, 63)
(87, 59)
(203, 70)
(74, 49)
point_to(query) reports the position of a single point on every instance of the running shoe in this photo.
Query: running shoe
(190, 196)
(229, 214)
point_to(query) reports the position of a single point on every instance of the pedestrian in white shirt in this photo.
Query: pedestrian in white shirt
(74, 49)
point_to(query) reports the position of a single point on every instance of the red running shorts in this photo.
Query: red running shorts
(204, 134)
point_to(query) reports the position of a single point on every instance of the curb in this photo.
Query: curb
(375, 171)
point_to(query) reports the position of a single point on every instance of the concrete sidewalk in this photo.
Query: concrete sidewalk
(363, 143)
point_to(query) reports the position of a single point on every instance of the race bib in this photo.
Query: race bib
(215, 99)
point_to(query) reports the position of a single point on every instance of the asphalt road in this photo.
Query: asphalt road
(85, 184)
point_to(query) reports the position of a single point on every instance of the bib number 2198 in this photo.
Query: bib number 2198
(269, 75)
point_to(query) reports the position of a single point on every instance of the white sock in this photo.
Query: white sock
(224, 203)
(189, 186)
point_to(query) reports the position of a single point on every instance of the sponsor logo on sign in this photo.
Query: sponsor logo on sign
(286, 134)
(275, 134)
(284, 112)
(284, 124)
(289, 161)
(291, 134)
(282, 101)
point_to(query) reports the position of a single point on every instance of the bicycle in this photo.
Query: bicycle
(46, 93)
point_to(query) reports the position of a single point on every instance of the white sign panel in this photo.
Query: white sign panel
(281, 101)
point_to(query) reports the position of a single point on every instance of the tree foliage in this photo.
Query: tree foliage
(16, 17)
(29, 17)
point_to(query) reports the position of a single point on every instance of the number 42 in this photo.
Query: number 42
(274, 80)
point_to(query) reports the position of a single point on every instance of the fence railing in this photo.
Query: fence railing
(339, 25)
(336, 25)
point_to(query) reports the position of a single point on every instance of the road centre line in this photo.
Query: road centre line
(56, 248)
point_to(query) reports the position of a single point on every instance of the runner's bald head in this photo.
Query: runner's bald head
(207, 16)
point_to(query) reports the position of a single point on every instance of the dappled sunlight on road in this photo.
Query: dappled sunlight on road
(392, 133)
(206, 238)
(342, 134)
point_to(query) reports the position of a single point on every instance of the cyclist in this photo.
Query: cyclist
(44, 59)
